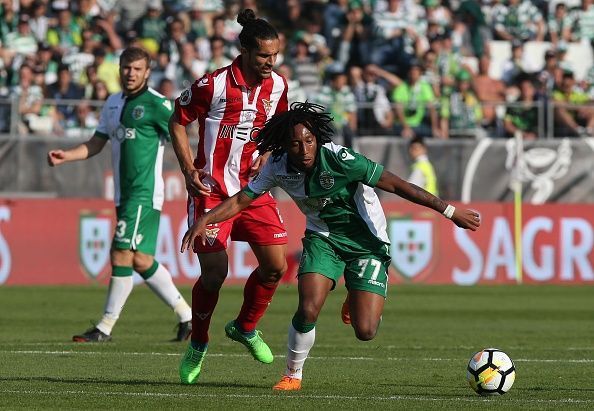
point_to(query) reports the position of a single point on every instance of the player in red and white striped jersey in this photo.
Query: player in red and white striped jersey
(231, 105)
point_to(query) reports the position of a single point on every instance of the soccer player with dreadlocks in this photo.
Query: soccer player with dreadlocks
(345, 225)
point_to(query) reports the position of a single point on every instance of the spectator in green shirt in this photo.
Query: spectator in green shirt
(461, 112)
(522, 116)
(415, 101)
(572, 116)
(152, 25)
(340, 101)
(66, 36)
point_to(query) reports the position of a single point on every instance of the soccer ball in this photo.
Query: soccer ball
(491, 372)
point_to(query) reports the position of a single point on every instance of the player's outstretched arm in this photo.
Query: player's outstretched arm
(227, 209)
(81, 152)
(181, 147)
(391, 183)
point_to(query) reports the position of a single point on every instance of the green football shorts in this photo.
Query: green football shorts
(365, 270)
(137, 228)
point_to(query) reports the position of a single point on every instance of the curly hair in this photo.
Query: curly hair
(278, 130)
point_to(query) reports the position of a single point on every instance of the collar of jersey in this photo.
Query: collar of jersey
(237, 74)
(138, 93)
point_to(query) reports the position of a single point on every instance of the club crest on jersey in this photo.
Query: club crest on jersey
(185, 97)
(326, 180)
(211, 234)
(267, 105)
(94, 242)
(138, 112)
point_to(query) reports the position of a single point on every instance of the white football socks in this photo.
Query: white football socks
(119, 290)
(161, 284)
(298, 349)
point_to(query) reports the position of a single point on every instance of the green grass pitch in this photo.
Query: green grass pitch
(417, 361)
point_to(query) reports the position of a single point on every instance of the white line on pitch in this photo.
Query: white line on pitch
(384, 347)
(301, 396)
(40, 352)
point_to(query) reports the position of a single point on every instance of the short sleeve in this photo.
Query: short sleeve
(102, 130)
(262, 182)
(427, 91)
(163, 111)
(400, 94)
(358, 168)
(195, 101)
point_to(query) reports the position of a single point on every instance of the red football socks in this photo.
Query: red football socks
(203, 304)
(256, 298)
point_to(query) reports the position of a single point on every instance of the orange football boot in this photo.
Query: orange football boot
(288, 384)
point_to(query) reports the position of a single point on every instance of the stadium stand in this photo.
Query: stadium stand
(185, 38)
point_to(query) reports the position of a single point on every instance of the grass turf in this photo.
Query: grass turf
(417, 361)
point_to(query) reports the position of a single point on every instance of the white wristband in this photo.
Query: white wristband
(449, 211)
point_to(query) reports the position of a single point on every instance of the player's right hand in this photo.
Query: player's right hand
(55, 157)
(194, 184)
(198, 230)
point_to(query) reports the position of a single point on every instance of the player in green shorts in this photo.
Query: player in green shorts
(135, 121)
(345, 225)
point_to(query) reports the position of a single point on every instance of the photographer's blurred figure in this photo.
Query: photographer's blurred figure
(423, 174)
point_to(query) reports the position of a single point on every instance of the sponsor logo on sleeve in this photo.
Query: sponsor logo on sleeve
(185, 97)
(345, 155)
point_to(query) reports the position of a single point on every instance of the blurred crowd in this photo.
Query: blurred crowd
(382, 67)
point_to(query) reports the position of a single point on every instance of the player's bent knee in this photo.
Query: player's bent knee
(143, 263)
(308, 312)
(213, 282)
(301, 324)
(273, 273)
(365, 334)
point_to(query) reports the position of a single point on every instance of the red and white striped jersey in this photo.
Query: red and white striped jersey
(230, 115)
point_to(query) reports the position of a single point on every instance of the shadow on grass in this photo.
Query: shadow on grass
(128, 382)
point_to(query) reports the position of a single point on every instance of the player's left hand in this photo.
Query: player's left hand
(468, 219)
(197, 231)
(259, 163)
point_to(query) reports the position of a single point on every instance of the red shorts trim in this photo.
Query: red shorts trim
(259, 224)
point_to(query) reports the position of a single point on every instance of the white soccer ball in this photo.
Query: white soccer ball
(491, 372)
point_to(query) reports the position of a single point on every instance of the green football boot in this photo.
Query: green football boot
(256, 345)
(191, 364)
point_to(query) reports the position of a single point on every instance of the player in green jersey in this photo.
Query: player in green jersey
(345, 224)
(135, 121)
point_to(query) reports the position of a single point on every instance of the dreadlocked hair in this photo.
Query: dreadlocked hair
(279, 128)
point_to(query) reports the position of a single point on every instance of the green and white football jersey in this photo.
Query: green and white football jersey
(336, 197)
(137, 127)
